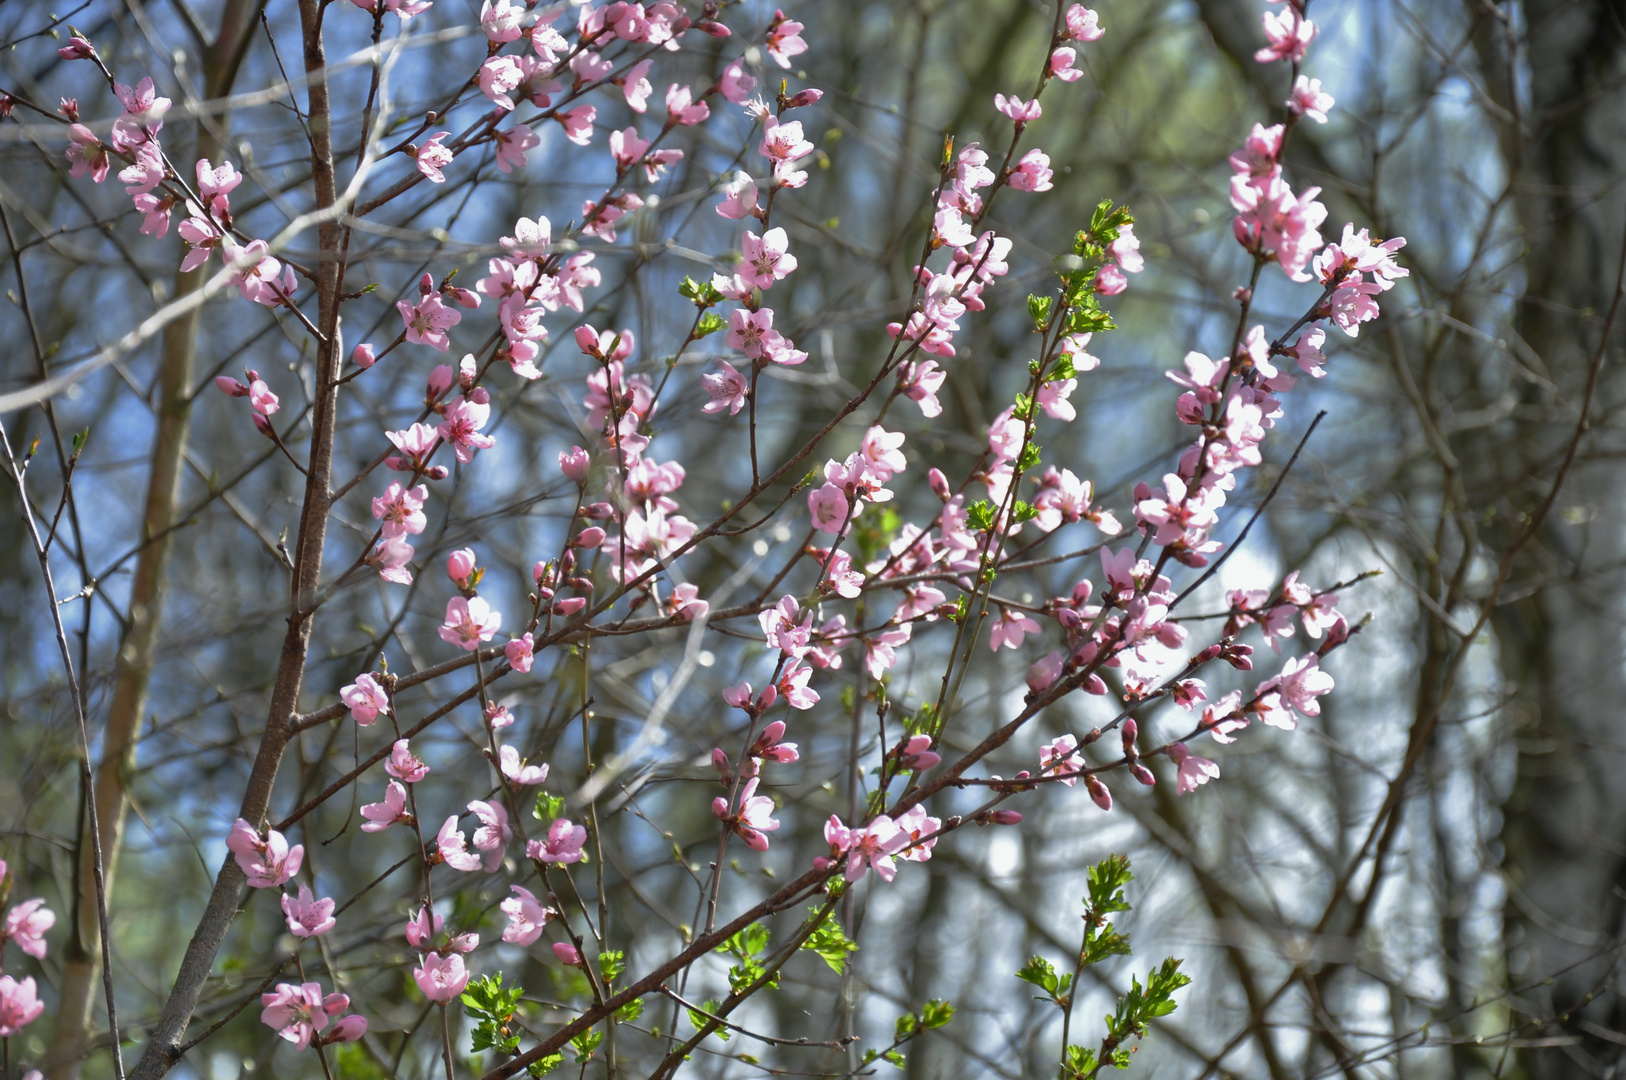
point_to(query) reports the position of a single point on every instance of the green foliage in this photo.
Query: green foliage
(631, 1011)
(584, 1045)
(544, 1065)
(700, 1020)
(548, 807)
(1039, 311)
(1030, 457)
(873, 532)
(891, 1057)
(1141, 1005)
(709, 324)
(1022, 511)
(935, 1014)
(980, 515)
(351, 1062)
(611, 963)
(1041, 973)
(1106, 896)
(701, 292)
(831, 943)
(493, 1006)
(747, 947)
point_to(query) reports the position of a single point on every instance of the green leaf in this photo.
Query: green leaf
(543, 1066)
(709, 324)
(1079, 1061)
(831, 944)
(980, 515)
(937, 1013)
(548, 807)
(631, 1011)
(584, 1045)
(1022, 511)
(1041, 973)
(1030, 457)
(1039, 311)
(611, 963)
(701, 292)
(906, 1026)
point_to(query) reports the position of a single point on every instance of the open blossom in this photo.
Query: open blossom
(268, 862)
(512, 146)
(306, 915)
(683, 109)
(401, 509)
(727, 389)
(1058, 758)
(366, 699)
(19, 1005)
(1017, 109)
(1009, 629)
(493, 834)
(1309, 100)
(26, 924)
(461, 427)
(428, 320)
(390, 811)
(563, 844)
(1032, 172)
(784, 40)
(469, 622)
(391, 557)
(919, 832)
(452, 848)
(300, 1012)
(1083, 24)
(86, 154)
(1194, 771)
(527, 916)
(519, 653)
(872, 846)
(441, 978)
(403, 764)
(521, 774)
(1289, 34)
(755, 815)
(739, 196)
(767, 259)
(432, 157)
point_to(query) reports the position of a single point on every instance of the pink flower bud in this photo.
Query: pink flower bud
(720, 762)
(1095, 685)
(767, 697)
(1098, 792)
(463, 297)
(459, 565)
(1131, 732)
(581, 585)
(440, 381)
(261, 424)
(567, 562)
(1143, 774)
(567, 953)
(228, 385)
(1044, 672)
(77, 48)
(426, 284)
(805, 97)
(436, 472)
(599, 511)
(1005, 817)
(541, 573)
(364, 355)
(940, 484)
(569, 606)
(587, 341)
(714, 28)
(1210, 653)
(589, 538)
(348, 1029)
(573, 463)
(719, 806)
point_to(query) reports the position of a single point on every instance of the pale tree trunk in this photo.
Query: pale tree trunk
(1563, 648)
(133, 666)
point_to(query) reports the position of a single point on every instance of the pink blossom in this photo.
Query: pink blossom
(683, 109)
(783, 141)
(512, 145)
(1017, 109)
(300, 1012)
(919, 831)
(755, 816)
(792, 685)
(767, 259)
(527, 916)
(1032, 172)
(517, 772)
(1044, 672)
(1194, 771)
(1289, 34)
(77, 48)
(727, 389)
(578, 124)
(735, 84)
(268, 862)
(453, 851)
(403, 764)
(389, 811)
(460, 567)
(1301, 682)
(739, 196)
(1061, 65)
(401, 509)
(1058, 758)
(26, 924)
(685, 602)
(563, 845)
(1083, 24)
(441, 978)
(19, 1005)
(432, 157)
(461, 428)
(501, 21)
(769, 745)
(306, 915)
(519, 654)
(568, 954)
(784, 40)
(469, 622)
(428, 321)
(916, 754)
(365, 698)
(870, 847)
(635, 86)
(829, 508)
(494, 832)
(1309, 100)
(1009, 629)
(391, 557)
(86, 154)
(752, 332)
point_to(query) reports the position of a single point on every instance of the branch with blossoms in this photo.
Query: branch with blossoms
(878, 607)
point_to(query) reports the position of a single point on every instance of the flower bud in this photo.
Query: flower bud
(1098, 792)
(590, 537)
(587, 341)
(765, 699)
(581, 584)
(77, 48)
(440, 381)
(573, 463)
(567, 953)
(459, 565)
(719, 761)
(228, 385)
(1004, 817)
(569, 606)
(714, 28)
(1131, 732)
(599, 511)
(426, 284)
(804, 97)
(1143, 774)
(363, 355)
(940, 484)
(435, 472)
(349, 1029)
